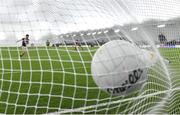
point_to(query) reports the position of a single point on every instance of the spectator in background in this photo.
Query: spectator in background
(47, 43)
(162, 38)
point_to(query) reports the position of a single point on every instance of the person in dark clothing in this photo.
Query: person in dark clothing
(162, 38)
(78, 44)
(25, 42)
(47, 43)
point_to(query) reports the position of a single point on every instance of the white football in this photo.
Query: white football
(118, 67)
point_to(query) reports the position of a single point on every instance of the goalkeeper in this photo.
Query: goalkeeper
(25, 42)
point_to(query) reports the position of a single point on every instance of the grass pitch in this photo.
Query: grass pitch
(56, 79)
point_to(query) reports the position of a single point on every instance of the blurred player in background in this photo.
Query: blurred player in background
(78, 44)
(47, 43)
(25, 42)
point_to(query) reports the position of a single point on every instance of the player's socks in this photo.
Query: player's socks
(22, 54)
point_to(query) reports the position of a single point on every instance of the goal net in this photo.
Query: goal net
(52, 75)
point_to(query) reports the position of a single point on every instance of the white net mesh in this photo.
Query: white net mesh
(58, 79)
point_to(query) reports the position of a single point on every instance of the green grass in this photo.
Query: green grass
(50, 80)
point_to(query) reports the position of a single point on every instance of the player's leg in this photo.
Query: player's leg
(81, 46)
(24, 50)
(76, 47)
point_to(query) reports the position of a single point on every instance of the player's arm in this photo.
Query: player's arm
(19, 40)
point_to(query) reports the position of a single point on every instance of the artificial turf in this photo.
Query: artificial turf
(56, 79)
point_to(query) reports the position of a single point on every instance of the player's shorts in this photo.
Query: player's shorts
(24, 48)
(78, 44)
